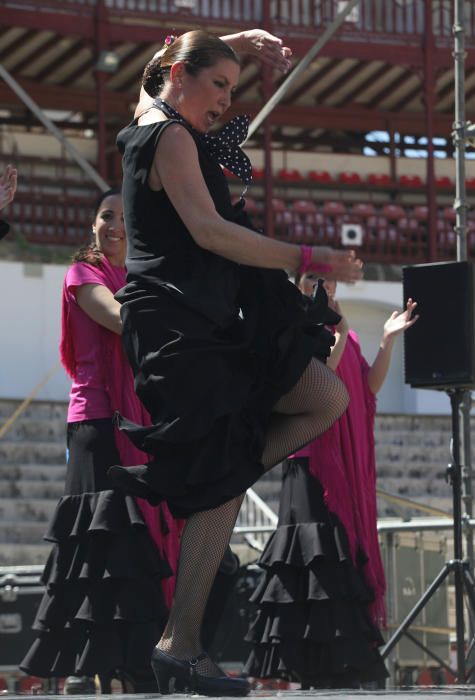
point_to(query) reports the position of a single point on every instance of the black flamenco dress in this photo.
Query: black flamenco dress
(312, 624)
(103, 608)
(212, 344)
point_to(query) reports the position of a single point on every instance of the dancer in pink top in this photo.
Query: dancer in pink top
(109, 578)
(321, 600)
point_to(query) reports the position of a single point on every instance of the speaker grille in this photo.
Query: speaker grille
(439, 349)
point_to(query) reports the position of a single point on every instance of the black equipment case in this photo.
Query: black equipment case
(21, 591)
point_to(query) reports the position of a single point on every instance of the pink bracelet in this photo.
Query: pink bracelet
(305, 258)
(307, 264)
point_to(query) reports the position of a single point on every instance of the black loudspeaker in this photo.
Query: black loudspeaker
(439, 350)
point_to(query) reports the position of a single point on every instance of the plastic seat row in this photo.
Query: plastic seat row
(385, 181)
(360, 211)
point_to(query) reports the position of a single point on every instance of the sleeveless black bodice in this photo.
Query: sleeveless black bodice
(213, 345)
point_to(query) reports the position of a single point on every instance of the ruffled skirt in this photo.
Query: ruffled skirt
(210, 387)
(103, 606)
(312, 624)
(103, 609)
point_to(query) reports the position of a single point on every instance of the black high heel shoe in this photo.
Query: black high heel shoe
(178, 675)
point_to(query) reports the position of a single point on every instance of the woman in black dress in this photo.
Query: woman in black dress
(220, 342)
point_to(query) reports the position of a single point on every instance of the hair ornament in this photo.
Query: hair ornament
(169, 40)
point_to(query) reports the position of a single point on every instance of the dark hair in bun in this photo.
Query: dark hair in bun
(197, 49)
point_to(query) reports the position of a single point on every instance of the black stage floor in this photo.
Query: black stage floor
(419, 692)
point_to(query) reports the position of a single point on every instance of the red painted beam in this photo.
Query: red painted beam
(353, 118)
(63, 24)
(79, 99)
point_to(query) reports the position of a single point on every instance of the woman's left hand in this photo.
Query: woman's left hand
(267, 47)
(400, 321)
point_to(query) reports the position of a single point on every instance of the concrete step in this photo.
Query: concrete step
(425, 439)
(32, 453)
(23, 554)
(410, 423)
(36, 430)
(405, 486)
(33, 472)
(24, 533)
(38, 510)
(31, 489)
(36, 409)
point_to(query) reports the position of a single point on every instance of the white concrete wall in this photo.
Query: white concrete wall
(30, 321)
(367, 305)
(30, 318)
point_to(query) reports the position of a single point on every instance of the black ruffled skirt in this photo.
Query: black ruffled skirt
(103, 609)
(312, 624)
(210, 385)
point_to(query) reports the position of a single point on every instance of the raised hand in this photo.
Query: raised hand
(267, 47)
(340, 265)
(400, 321)
(8, 183)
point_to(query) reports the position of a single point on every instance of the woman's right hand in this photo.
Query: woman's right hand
(340, 265)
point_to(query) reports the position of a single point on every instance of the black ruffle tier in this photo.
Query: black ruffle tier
(103, 608)
(312, 624)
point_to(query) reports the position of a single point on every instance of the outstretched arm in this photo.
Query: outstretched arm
(396, 324)
(176, 168)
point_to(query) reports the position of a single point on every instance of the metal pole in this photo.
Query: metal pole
(459, 135)
(454, 472)
(429, 90)
(41, 116)
(460, 131)
(304, 63)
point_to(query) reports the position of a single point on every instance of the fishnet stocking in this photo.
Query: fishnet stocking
(203, 544)
(305, 412)
(315, 402)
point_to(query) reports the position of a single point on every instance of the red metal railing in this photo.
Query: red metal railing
(395, 21)
(51, 219)
(67, 220)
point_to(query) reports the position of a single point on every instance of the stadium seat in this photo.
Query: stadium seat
(411, 181)
(380, 180)
(443, 182)
(278, 205)
(393, 212)
(321, 176)
(421, 212)
(303, 206)
(470, 183)
(449, 214)
(363, 210)
(290, 175)
(347, 178)
(258, 173)
(334, 208)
